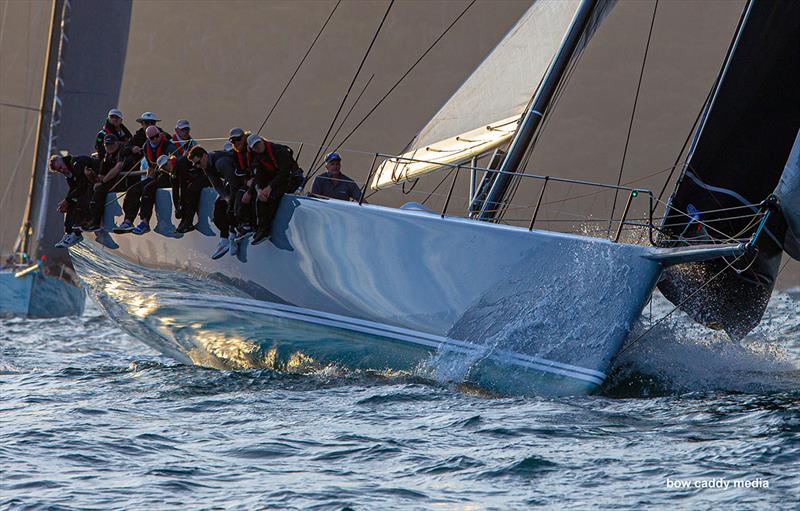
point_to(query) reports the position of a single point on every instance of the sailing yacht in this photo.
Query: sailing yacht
(512, 308)
(37, 280)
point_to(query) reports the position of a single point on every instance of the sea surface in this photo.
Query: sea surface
(91, 418)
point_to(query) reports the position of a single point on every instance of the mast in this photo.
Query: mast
(36, 211)
(535, 112)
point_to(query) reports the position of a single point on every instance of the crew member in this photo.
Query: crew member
(191, 181)
(274, 173)
(182, 138)
(112, 126)
(157, 147)
(333, 183)
(75, 206)
(110, 178)
(146, 120)
(239, 183)
(219, 168)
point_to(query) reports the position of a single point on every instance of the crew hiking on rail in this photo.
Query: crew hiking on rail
(250, 177)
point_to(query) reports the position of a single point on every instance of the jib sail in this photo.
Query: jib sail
(736, 161)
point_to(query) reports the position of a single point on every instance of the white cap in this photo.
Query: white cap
(236, 132)
(148, 116)
(162, 160)
(116, 112)
(182, 123)
(252, 140)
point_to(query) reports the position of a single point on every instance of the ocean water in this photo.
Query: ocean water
(91, 418)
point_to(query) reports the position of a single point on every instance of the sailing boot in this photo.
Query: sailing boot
(102, 237)
(261, 235)
(222, 248)
(140, 229)
(71, 239)
(125, 227)
(185, 226)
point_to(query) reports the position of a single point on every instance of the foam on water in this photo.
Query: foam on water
(679, 355)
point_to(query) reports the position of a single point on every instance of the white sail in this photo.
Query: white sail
(484, 112)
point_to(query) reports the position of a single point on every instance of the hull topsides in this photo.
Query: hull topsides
(370, 287)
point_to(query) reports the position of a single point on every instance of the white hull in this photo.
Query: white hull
(379, 288)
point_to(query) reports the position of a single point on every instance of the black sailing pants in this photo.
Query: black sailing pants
(97, 204)
(77, 213)
(148, 190)
(222, 217)
(191, 188)
(267, 209)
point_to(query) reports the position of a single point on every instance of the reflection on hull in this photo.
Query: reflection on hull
(36, 295)
(375, 288)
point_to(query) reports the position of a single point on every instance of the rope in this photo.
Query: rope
(350, 87)
(400, 80)
(288, 83)
(633, 112)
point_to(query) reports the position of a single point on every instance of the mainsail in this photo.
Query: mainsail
(735, 162)
(485, 111)
(82, 80)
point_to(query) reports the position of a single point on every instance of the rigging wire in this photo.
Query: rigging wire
(633, 112)
(399, 81)
(706, 103)
(691, 295)
(289, 82)
(352, 107)
(350, 88)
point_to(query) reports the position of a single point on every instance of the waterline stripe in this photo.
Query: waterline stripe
(471, 347)
(398, 333)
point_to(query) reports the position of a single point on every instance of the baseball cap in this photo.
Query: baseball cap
(253, 140)
(116, 112)
(162, 160)
(334, 156)
(109, 139)
(181, 124)
(148, 116)
(235, 132)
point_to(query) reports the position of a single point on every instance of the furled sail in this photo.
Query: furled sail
(484, 112)
(736, 161)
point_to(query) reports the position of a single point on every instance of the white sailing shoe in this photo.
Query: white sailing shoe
(222, 248)
(70, 239)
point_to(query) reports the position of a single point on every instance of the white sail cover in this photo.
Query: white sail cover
(485, 110)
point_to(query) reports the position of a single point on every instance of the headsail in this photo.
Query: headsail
(483, 114)
(735, 162)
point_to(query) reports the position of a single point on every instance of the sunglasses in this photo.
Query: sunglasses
(154, 137)
(236, 139)
(109, 143)
(149, 123)
(183, 129)
(114, 117)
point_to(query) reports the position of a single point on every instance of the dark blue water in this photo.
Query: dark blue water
(93, 419)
